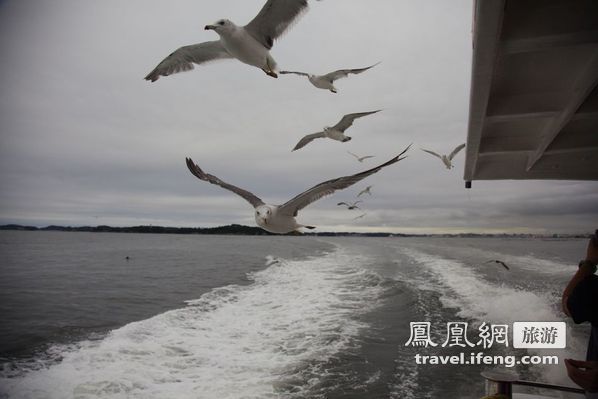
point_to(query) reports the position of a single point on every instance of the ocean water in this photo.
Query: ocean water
(265, 317)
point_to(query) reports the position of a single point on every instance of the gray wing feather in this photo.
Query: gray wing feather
(274, 19)
(343, 73)
(455, 151)
(184, 57)
(348, 119)
(294, 73)
(200, 174)
(330, 186)
(308, 139)
(432, 152)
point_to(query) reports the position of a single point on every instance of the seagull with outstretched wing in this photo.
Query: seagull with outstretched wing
(350, 206)
(500, 262)
(336, 132)
(281, 218)
(365, 191)
(249, 44)
(361, 159)
(326, 81)
(446, 159)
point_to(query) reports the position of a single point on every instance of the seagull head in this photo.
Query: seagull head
(221, 26)
(347, 139)
(263, 214)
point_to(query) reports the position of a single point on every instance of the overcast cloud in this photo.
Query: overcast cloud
(86, 141)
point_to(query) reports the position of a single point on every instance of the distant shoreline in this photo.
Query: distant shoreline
(237, 229)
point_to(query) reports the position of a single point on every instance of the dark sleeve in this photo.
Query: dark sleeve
(583, 301)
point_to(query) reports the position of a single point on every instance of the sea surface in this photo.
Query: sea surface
(108, 315)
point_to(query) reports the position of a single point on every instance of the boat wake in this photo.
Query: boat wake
(270, 338)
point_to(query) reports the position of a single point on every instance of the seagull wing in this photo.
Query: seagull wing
(455, 151)
(294, 73)
(183, 58)
(200, 174)
(342, 203)
(365, 157)
(365, 190)
(307, 139)
(330, 186)
(355, 155)
(504, 265)
(343, 73)
(274, 19)
(348, 119)
(432, 152)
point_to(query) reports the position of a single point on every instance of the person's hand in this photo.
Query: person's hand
(584, 374)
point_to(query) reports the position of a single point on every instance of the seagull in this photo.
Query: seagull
(447, 159)
(250, 44)
(360, 159)
(360, 216)
(365, 191)
(350, 206)
(280, 219)
(336, 132)
(499, 262)
(326, 82)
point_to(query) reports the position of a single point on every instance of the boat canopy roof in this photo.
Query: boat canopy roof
(534, 91)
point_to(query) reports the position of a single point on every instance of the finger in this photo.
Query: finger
(579, 363)
(582, 378)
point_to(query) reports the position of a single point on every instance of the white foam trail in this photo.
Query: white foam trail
(233, 342)
(477, 299)
(463, 289)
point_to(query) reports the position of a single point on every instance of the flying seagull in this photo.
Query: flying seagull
(281, 218)
(350, 206)
(446, 159)
(365, 191)
(360, 159)
(250, 44)
(326, 82)
(499, 262)
(336, 132)
(360, 216)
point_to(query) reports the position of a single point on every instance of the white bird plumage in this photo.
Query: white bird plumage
(446, 159)
(281, 218)
(336, 132)
(249, 44)
(326, 81)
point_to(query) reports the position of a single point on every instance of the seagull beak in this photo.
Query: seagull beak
(209, 27)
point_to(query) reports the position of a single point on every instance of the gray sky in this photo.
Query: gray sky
(86, 141)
